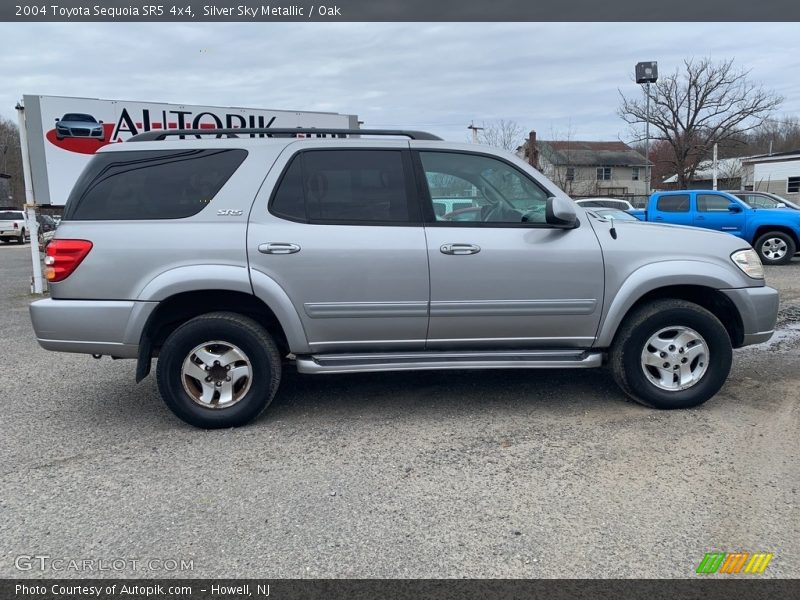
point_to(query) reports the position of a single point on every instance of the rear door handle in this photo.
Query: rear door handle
(460, 249)
(278, 248)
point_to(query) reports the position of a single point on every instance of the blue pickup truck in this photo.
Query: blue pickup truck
(774, 233)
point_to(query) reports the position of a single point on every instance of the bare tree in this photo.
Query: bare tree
(507, 135)
(697, 106)
(11, 164)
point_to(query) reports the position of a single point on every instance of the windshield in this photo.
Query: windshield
(78, 117)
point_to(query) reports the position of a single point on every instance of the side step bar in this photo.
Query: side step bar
(426, 361)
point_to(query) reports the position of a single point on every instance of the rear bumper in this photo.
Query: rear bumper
(758, 308)
(90, 326)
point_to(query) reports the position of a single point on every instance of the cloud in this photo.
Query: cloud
(551, 77)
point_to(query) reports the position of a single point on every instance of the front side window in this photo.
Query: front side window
(480, 189)
(712, 203)
(674, 203)
(344, 186)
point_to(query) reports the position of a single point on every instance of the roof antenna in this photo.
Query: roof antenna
(613, 230)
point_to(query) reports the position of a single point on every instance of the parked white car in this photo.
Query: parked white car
(605, 203)
(13, 226)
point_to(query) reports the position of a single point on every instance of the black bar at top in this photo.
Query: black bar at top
(401, 10)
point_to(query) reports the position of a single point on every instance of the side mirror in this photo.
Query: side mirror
(57, 119)
(560, 212)
(100, 122)
(734, 207)
(780, 205)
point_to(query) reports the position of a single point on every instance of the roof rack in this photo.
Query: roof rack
(160, 134)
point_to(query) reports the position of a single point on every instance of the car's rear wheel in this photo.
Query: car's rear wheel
(21, 238)
(775, 248)
(671, 354)
(219, 370)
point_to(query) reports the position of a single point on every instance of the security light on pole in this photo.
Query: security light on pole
(647, 73)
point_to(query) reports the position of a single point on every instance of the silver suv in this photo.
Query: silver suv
(232, 257)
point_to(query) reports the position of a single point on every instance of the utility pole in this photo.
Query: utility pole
(647, 73)
(37, 286)
(714, 168)
(475, 130)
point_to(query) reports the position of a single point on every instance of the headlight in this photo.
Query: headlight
(749, 262)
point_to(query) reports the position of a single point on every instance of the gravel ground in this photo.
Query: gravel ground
(459, 474)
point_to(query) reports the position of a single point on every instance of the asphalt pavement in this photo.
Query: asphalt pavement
(435, 474)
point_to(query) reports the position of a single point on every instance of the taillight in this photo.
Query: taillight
(63, 257)
(16, 225)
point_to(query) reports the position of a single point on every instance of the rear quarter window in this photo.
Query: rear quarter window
(150, 184)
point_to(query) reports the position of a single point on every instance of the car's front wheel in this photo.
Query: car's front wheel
(671, 354)
(218, 370)
(775, 248)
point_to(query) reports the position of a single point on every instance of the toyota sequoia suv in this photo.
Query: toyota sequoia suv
(230, 255)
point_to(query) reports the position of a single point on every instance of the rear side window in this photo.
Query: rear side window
(344, 186)
(150, 184)
(674, 203)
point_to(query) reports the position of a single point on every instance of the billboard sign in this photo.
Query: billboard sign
(64, 133)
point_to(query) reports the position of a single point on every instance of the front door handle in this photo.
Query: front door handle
(278, 248)
(460, 249)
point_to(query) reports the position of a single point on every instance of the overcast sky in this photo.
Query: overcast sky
(554, 78)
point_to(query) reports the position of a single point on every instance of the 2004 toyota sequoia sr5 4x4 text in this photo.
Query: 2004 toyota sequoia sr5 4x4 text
(229, 257)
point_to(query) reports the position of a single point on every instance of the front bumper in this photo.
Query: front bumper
(758, 308)
(90, 326)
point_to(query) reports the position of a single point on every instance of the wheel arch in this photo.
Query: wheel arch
(179, 308)
(695, 282)
(763, 229)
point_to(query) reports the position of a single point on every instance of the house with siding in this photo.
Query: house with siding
(777, 173)
(732, 174)
(583, 168)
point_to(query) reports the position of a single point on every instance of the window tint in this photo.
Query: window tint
(150, 184)
(674, 203)
(474, 188)
(352, 186)
(712, 203)
(289, 201)
(11, 215)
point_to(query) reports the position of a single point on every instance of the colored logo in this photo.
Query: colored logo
(732, 563)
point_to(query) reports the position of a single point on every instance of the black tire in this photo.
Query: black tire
(234, 329)
(765, 248)
(625, 356)
(21, 238)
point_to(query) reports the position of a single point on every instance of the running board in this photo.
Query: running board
(426, 361)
